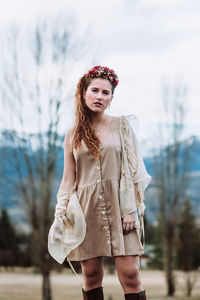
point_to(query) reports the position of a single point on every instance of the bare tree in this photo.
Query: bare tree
(35, 89)
(170, 168)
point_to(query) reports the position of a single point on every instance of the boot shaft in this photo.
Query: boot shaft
(94, 294)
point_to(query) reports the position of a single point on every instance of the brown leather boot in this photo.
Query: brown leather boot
(94, 294)
(136, 296)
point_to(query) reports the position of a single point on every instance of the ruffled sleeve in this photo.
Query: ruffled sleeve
(69, 227)
(140, 175)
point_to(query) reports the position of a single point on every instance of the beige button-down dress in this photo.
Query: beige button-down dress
(98, 193)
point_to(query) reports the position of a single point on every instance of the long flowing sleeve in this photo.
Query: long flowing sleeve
(69, 226)
(132, 171)
(127, 193)
(140, 175)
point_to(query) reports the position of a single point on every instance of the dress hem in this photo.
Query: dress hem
(103, 255)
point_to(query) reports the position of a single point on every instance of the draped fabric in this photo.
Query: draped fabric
(69, 226)
(133, 171)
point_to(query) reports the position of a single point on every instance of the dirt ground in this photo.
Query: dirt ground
(24, 285)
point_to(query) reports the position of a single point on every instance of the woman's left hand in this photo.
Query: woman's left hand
(128, 223)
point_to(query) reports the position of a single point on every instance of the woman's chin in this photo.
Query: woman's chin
(97, 109)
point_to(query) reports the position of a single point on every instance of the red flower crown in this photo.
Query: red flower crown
(104, 72)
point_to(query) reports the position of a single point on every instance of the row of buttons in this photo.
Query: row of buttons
(98, 180)
(105, 227)
(103, 212)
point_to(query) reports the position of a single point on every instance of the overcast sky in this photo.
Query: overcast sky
(144, 41)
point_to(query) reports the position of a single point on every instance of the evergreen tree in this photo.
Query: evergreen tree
(8, 241)
(188, 254)
(156, 261)
(149, 231)
(14, 246)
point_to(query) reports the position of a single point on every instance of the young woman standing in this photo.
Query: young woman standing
(92, 159)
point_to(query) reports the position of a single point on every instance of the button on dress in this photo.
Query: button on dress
(98, 191)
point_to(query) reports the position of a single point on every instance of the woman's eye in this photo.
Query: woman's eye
(104, 92)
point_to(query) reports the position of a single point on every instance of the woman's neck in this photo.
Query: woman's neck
(98, 118)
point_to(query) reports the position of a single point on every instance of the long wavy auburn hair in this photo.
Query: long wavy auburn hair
(82, 128)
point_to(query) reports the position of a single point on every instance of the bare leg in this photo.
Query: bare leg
(128, 273)
(92, 270)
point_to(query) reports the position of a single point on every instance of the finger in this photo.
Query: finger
(127, 227)
(124, 226)
(125, 231)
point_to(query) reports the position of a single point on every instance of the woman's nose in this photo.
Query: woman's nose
(99, 96)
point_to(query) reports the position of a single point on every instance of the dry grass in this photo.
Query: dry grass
(24, 285)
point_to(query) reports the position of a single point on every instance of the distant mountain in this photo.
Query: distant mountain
(190, 145)
(11, 200)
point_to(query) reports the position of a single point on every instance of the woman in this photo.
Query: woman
(93, 167)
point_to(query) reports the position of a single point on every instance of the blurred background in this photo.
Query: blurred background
(46, 46)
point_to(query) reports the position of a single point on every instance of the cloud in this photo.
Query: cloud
(142, 40)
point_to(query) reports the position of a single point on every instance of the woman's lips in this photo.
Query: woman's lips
(97, 104)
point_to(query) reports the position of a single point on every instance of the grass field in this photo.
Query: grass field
(24, 285)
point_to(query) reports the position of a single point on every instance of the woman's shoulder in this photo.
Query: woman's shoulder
(125, 120)
(114, 118)
(127, 117)
(114, 121)
(69, 135)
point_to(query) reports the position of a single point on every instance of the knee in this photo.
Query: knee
(92, 276)
(130, 275)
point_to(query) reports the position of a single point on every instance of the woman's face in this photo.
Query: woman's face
(98, 94)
